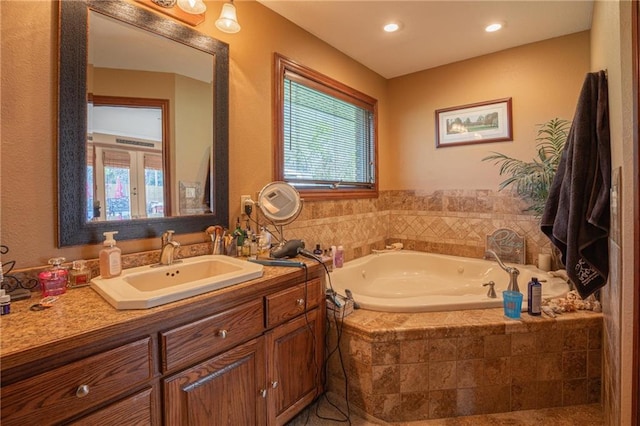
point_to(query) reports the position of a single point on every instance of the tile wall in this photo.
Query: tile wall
(449, 222)
(409, 367)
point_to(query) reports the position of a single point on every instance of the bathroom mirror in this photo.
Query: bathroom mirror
(77, 222)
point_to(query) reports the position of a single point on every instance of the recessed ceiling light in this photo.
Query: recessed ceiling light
(493, 27)
(391, 27)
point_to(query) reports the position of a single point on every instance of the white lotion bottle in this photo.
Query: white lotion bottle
(110, 257)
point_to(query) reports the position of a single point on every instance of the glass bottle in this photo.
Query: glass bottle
(79, 275)
(53, 281)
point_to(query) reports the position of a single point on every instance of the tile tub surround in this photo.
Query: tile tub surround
(454, 222)
(409, 367)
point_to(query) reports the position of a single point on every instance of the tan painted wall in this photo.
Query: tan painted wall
(543, 79)
(611, 50)
(406, 107)
(28, 172)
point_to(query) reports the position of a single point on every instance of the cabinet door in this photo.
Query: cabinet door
(226, 390)
(295, 365)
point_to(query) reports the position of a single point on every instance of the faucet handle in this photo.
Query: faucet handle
(167, 236)
(492, 292)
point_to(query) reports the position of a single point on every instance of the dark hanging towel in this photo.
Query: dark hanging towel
(576, 215)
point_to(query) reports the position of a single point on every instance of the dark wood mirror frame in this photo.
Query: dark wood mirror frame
(73, 228)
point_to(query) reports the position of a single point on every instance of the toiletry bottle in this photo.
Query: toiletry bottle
(534, 304)
(5, 303)
(53, 281)
(246, 245)
(110, 257)
(79, 275)
(254, 247)
(332, 254)
(339, 259)
(239, 236)
(264, 243)
(318, 250)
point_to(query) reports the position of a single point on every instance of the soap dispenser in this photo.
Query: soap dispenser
(53, 281)
(110, 257)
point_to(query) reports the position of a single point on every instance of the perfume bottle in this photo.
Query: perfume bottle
(53, 281)
(79, 275)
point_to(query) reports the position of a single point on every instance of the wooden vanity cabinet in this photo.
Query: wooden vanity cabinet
(255, 358)
(264, 381)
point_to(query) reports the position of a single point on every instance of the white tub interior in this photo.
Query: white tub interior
(409, 281)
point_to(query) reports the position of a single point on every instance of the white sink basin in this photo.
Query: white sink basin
(152, 285)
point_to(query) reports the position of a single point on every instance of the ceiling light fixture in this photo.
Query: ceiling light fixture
(493, 27)
(228, 21)
(391, 27)
(194, 7)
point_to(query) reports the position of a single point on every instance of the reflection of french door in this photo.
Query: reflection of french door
(129, 183)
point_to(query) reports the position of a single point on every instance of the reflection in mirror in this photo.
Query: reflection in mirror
(126, 141)
(184, 172)
(126, 61)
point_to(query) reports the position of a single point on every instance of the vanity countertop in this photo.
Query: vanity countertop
(81, 315)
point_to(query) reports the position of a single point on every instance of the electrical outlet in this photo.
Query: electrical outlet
(243, 199)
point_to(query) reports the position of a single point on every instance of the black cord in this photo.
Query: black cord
(330, 353)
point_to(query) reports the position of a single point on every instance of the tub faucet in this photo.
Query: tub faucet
(168, 248)
(513, 272)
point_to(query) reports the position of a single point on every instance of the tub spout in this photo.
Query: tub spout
(513, 272)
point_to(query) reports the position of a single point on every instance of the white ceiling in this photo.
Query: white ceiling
(433, 32)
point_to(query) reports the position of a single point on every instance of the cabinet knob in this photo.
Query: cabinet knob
(274, 384)
(82, 391)
(222, 334)
(300, 302)
(263, 393)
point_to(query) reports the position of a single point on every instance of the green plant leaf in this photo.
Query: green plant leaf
(533, 179)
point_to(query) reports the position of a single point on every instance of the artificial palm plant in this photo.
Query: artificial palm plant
(533, 179)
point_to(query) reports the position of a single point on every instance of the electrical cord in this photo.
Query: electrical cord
(330, 352)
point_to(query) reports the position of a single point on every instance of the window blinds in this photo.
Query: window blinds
(327, 136)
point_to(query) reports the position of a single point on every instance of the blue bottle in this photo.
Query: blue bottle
(534, 296)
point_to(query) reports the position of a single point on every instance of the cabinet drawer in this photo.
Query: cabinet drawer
(291, 302)
(134, 410)
(66, 391)
(195, 341)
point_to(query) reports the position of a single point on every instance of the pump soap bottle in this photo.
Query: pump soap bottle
(110, 257)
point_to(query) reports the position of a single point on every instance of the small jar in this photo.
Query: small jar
(79, 275)
(5, 303)
(53, 281)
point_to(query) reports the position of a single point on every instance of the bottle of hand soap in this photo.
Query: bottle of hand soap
(110, 257)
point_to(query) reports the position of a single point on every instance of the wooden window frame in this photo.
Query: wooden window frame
(283, 65)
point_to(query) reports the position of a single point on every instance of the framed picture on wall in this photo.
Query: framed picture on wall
(481, 122)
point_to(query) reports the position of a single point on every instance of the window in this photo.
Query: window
(326, 134)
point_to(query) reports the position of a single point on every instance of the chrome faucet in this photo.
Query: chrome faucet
(168, 248)
(513, 272)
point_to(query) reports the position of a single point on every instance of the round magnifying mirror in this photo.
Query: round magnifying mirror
(280, 202)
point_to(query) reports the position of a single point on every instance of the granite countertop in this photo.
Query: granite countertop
(81, 313)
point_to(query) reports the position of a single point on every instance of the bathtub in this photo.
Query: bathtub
(409, 281)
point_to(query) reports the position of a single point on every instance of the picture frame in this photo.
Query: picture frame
(481, 122)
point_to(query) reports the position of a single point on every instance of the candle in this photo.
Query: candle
(544, 262)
